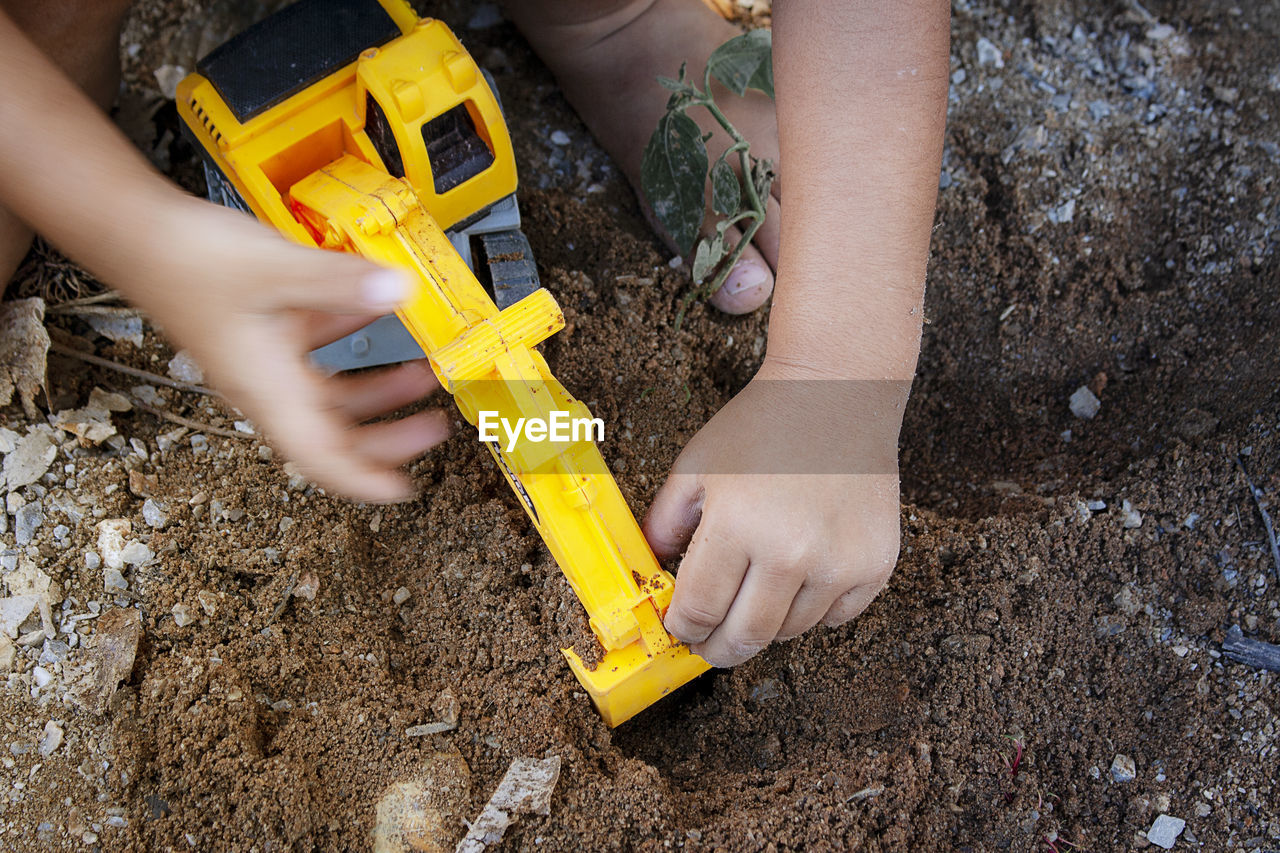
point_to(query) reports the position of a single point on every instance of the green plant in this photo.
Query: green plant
(673, 173)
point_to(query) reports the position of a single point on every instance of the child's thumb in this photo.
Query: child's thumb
(342, 284)
(674, 515)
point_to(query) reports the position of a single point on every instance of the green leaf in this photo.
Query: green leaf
(745, 62)
(711, 251)
(673, 174)
(726, 192)
(673, 85)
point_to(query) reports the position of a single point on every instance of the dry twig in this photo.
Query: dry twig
(1256, 494)
(154, 378)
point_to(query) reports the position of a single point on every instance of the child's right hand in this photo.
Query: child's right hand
(250, 306)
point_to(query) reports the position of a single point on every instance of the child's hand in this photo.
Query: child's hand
(250, 306)
(793, 491)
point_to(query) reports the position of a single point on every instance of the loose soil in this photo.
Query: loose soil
(1108, 218)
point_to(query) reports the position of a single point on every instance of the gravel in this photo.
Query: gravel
(1123, 769)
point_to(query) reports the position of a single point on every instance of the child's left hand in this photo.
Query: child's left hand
(788, 501)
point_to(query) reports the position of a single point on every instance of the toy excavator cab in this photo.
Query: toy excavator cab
(442, 131)
(353, 126)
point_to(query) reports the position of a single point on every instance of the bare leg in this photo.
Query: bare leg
(606, 55)
(83, 38)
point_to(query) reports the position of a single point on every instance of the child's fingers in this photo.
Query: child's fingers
(368, 395)
(673, 515)
(321, 327)
(709, 578)
(811, 603)
(335, 282)
(396, 442)
(851, 604)
(757, 612)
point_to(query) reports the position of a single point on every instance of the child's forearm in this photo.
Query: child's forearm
(862, 95)
(68, 172)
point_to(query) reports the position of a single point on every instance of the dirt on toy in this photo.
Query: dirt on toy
(1044, 671)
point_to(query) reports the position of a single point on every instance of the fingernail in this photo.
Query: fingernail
(386, 288)
(747, 275)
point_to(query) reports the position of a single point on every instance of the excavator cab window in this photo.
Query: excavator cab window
(382, 137)
(456, 150)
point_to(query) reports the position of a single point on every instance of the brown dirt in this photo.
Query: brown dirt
(1015, 615)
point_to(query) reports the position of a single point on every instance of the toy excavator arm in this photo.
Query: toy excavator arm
(486, 359)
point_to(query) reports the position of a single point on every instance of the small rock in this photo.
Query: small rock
(446, 707)
(142, 485)
(14, 611)
(209, 601)
(167, 78)
(286, 524)
(400, 596)
(136, 554)
(182, 615)
(525, 789)
(966, 645)
(52, 739)
(989, 54)
(26, 521)
(111, 534)
(424, 814)
(1129, 516)
(1123, 769)
(7, 653)
(42, 676)
(307, 587)
(1160, 32)
(559, 137)
(31, 457)
(113, 581)
(429, 729)
(118, 328)
(1084, 403)
(110, 652)
(199, 444)
(153, 514)
(183, 368)
(1063, 213)
(1165, 831)
(765, 689)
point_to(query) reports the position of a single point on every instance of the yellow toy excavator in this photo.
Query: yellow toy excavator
(354, 126)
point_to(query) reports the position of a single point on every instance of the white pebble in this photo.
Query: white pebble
(401, 596)
(989, 54)
(42, 676)
(153, 514)
(184, 368)
(52, 738)
(1123, 769)
(1084, 403)
(559, 137)
(136, 553)
(182, 615)
(1165, 831)
(1130, 517)
(113, 581)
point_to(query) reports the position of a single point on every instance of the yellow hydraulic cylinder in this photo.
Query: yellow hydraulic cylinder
(486, 359)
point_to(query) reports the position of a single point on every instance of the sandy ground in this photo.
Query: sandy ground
(1044, 672)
